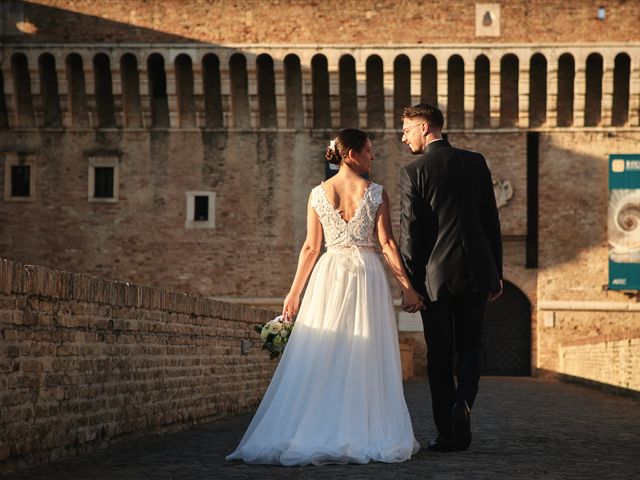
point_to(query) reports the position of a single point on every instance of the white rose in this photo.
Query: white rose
(275, 328)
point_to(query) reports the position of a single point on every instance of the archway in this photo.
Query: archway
(507, 334)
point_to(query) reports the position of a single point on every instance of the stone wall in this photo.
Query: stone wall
(87, 361)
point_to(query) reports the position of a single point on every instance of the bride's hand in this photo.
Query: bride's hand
(291, 306)
(412, 301)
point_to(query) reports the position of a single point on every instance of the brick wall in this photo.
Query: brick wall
(261, 180)
(606, 360)
(86, 361)
(574, 250)
(328, 22)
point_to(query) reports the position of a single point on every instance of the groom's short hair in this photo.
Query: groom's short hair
(432, 115)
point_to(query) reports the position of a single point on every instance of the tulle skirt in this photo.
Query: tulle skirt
(336, 395)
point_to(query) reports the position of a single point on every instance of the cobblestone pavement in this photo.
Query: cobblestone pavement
(523, 428)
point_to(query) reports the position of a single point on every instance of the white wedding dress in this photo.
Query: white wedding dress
(336, 395)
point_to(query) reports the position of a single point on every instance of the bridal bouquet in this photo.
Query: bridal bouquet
(274, 335)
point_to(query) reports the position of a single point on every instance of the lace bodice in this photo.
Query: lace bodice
(359, 231)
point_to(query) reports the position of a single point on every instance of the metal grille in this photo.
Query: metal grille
(507, 334)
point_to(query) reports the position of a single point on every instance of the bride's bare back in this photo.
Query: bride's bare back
(345, 194)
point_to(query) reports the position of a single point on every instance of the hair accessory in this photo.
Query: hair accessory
(332, 145)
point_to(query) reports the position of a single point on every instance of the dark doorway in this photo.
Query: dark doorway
(507, 334)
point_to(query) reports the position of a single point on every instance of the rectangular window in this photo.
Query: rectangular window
(19, 176)
(201, 211)
(104, 179)
(103, 187)
(20, 180)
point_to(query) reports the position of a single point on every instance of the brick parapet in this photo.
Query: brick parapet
(86, 361)
(610, 361)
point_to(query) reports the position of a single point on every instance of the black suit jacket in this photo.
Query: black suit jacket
(449, 226)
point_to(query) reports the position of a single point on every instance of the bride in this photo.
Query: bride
(336, 395)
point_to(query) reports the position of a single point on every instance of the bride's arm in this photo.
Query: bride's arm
(391, 254)
(306, 261)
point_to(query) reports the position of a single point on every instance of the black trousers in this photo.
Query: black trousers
(453, 321)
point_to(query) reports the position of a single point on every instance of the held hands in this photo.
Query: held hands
(290, 307)
(412, 301)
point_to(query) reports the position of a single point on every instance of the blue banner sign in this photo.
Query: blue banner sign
(623, 222)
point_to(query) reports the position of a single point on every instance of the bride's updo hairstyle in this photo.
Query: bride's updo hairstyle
(347, 139)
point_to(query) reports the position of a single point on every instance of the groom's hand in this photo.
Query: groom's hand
(412, 301)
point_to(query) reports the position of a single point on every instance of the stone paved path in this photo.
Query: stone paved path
(523, 428)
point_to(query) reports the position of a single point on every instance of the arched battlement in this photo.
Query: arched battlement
(505, 87)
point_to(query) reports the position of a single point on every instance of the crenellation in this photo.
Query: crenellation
(196, 86)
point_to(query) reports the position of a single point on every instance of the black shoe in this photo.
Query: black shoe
(461, 415)
(441, 444)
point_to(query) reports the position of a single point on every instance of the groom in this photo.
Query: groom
(450, 243)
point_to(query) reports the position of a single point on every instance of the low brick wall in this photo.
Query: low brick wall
(86, 361)
(606, 360)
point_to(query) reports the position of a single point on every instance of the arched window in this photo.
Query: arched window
(455, 86)
(566, 77)
(320, 91)
(158, 91)
(293, 91)
(239, 90)
(621, 74)
(130, 81)
(593, 93)
(375, 92)
(537, 90)
(348, 92)
(266, 91)
(184, 91)
(509, 90)
(213, 114)
(52, 115)
(429, 80)
(22, 90)
(481, 102)
(105, 108)
(401, 87)
(76, 91)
